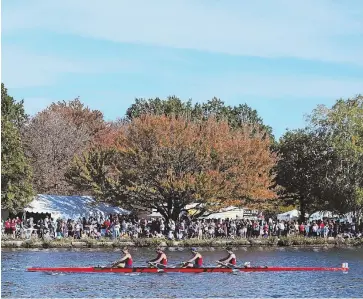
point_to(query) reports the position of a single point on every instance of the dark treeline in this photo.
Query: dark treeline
(166, 154)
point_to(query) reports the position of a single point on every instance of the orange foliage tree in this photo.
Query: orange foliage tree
(166, 163)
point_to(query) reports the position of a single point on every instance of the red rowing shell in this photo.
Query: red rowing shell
(182, 270)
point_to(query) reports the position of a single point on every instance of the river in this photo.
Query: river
(16, 282)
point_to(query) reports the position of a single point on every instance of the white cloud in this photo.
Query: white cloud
(38, 70)
(321, 30)
(23, 68)
(318, 30)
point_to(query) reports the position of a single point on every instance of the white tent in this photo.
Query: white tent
(230, 212)
(348, 217)
(154, 214)
(70, 207)
(291, 215)
(321, 214)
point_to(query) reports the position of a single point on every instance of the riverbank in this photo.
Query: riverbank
(149, 242)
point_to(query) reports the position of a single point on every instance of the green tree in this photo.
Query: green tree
(321, 167)
(342, 126)
(171, 106)
(301, 155)
(16, 175)
(11, 110)
(237, 116)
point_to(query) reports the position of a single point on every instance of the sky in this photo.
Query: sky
(281, 57)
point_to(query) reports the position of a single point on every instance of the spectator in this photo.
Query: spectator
(128, 226)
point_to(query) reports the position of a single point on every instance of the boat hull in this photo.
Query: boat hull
(181, 270)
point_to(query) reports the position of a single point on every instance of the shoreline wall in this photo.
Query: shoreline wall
(150, 242)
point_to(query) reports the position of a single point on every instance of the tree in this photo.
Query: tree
(322, 166)
(302, 157)
(51, 143)
(236, 116)
(167, 163)
(11, 110)
(16, 188)
(342, 126)
(171, 106)
(82, 117)
(55, 135)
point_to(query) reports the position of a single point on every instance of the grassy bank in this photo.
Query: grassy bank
(147, 242)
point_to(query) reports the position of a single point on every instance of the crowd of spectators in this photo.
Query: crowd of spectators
(125, 226)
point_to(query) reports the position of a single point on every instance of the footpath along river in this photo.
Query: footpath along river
(16, 282)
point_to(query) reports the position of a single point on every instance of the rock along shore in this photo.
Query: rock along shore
(149, 242)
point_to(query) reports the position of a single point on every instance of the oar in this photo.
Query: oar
(226, 265)
(230, 266)
(157, 265)
(183, 264)
(107, 266)
(113, 265)
(178, 265)
(152, 264)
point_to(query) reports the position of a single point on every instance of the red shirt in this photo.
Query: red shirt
(106, 223)
(128, 262)
(164, 261)
(199, 261)
(7, 224)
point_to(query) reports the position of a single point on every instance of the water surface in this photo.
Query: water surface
(16, 282)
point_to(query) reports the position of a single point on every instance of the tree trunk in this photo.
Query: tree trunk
(170, 209)
(302, 209)
(176, 213)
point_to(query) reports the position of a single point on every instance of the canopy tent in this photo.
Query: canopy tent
(230, 212)
(154, 214)
(287, 216)
(319, 215)
(71, 207)
(349, 217)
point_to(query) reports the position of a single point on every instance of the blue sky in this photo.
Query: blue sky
(281, 57)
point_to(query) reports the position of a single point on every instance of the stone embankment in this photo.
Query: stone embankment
(141, 242)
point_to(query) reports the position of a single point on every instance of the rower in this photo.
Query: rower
(161, 260)
(125, 261)
(196, 261)
(229, 261)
